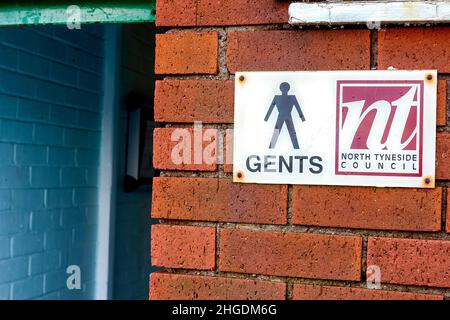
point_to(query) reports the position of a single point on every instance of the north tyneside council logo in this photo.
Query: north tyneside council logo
(379, 128)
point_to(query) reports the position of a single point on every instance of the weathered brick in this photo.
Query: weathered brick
(209, 101)
(186, 53)
(183, 247)
(241, 12)
(443, 156)
(414, 48)
(411, 261)
(316, 292)
(367, 208)
(222, 12)
(165, 286)
(447, 220)
(290, 254)
(298, 50)
(176, 12)
(228, 151)
(185, 149)
(441, 115)
(211, 199)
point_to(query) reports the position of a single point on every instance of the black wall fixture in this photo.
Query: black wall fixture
(139, 132)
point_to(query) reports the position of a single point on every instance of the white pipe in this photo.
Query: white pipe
(369, 12)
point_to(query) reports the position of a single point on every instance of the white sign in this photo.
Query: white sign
(366, 128)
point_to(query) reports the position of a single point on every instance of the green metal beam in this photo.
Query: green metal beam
(56, 12)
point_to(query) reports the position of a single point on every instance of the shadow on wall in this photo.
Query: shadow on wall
(132, 235)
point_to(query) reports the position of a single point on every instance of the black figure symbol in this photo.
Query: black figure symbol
(284, 104)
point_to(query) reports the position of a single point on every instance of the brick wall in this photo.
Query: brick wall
(50, 114)
(219, 240)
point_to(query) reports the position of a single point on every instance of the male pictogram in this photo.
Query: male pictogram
(284, 103)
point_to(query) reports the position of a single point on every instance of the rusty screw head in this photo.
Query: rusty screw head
(427, 180)
(429, 77)
(239, 175)
(241, 78)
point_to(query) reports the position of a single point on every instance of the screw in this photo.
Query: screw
(427, 180)
(241, 78)
(429, 77)
(239, 175)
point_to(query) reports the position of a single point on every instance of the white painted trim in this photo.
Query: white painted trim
(108, 177)
(369, 12)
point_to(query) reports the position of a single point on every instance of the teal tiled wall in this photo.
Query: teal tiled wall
(50, 111)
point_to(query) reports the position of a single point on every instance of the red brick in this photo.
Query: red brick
(298, 50)
(447, 220)
(220, 12)
(411, 261)
(316, 292)
(183, 247)
(209, 101)
(176, 12)
(414, 48)
(367, 208)
(175, 145)
(186, 53)
(212, 199)
(242, 12)
(290, 254)
(441, 116)
(228, 151)
(443, 156)
(165, 286)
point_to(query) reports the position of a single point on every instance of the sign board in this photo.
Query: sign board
(359, 128)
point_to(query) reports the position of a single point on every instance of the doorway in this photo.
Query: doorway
(68, 229)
